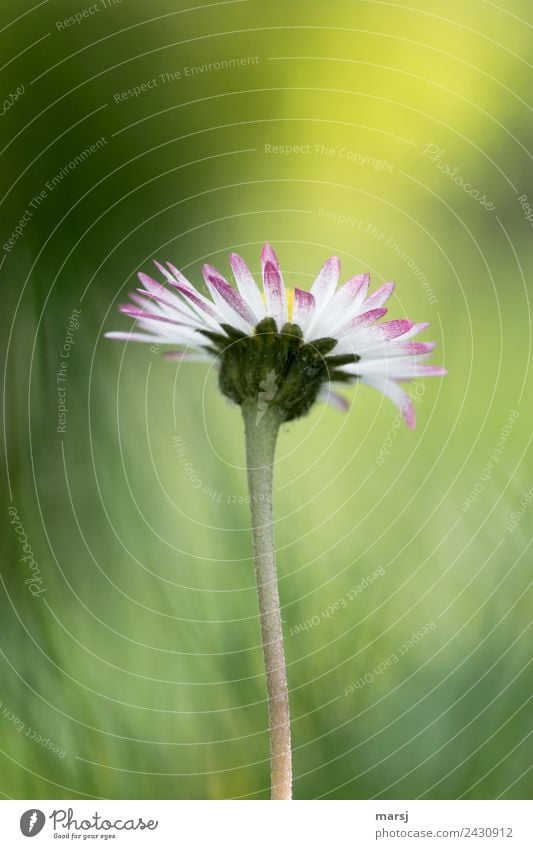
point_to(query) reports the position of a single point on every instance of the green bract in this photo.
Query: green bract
(275, 367)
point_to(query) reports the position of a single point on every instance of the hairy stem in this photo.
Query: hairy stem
(261, 428)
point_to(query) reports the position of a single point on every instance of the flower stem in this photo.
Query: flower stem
(261, 429)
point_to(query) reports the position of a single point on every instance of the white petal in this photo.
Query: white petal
(379, 297)
(396, 394)
(333, 399)
(229, 302)
(276, 300)
(247, 286)
(130, 336)
(395, 367)
(345, 305)
(325, 284)
(302, 310)
(323, 290)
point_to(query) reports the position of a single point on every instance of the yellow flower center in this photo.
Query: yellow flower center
(290, 302)
(289, 295)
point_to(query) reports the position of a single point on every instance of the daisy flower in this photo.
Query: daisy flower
(314, 341)
(277, 352)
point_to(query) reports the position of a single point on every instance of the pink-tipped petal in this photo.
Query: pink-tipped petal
(179, 281)
(302, 309)
(382, 342)
(150, 284)
(247, 286)
(397, 368)
(192, 296)
(353, 292)
(202, 304)
(379, 297)
(178, 307)
(416, 329)
(396, 327)
(365, 319)
(137, 312)
(415, 349)
(168, 274)
(338, 402)
(354, 326)
(268, 254)
(398, 397)
(350, 296)
(142, 300)
(124, 336)
(225, 295)
(156, 290)
(376, 340)
(431, 371)
(344, 305)
(176, 276)
(274, 294)
(325, 284)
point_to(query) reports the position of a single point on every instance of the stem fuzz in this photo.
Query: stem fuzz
(261, 428)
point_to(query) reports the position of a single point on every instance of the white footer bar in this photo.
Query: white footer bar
(267, 825)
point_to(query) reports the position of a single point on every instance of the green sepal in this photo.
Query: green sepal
(275, 368)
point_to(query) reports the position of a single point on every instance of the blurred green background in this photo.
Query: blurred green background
(137, 671)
